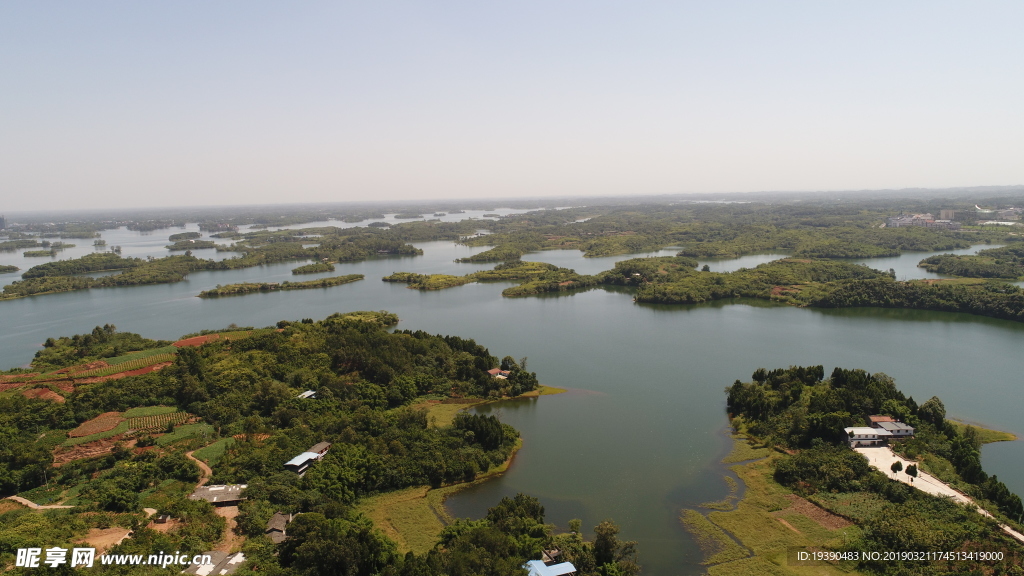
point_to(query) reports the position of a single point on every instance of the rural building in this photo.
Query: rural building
(276, 527)
(300, 463)
(222, 564)
(539, 568)
(307, 394)
(881, 430)
(897, 430)
(220, 495)
(162, 519)
(498, 373)
(866, 436)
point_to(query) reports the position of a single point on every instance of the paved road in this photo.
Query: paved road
(882, 458)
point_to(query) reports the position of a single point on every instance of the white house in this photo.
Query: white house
(866, 436)
(538, 568)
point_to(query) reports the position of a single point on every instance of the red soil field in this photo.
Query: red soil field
(44, 394)
(196, 340)
(101, 423)
(120, 375)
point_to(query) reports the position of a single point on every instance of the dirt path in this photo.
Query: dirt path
(232, 542)
(35, 506)
(207, 472)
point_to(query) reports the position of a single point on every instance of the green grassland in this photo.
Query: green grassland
(186, 431)
(212, 453)
(148, 411)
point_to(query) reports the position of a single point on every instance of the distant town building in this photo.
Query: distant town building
(300, 463)
(926, 220)
(947, 214)
(1010, 214)
(219, 495)
(3, 223)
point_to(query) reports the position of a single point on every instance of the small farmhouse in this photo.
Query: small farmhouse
(300, 463)
(538, 568)
(276, 527)
(220, 494)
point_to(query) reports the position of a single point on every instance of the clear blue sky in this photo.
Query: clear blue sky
(162, 103)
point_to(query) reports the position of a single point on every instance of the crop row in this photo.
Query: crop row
(157, 422)
(126, 366)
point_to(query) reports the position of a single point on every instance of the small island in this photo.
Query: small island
(185, 236)
(191, 245)
(314, 268)
(8, 269)
(254, 287)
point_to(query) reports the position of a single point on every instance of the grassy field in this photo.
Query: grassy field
(149, 411)
(744, 449)
(408, 517)
(414, 517)
(441, 414)
(764, 523)
(186, 431)
(987, 436)
(543, 390)
(212, 453)
(717, 546)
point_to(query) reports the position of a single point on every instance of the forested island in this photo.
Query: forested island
(314, 268)
(806, 487)
(90, 429)
(254, 287)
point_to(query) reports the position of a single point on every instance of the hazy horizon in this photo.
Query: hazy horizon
(116, 104)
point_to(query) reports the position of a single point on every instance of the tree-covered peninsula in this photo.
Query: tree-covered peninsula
(815, 492)
(109, 424)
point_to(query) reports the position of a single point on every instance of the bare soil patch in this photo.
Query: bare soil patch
(231, 540)
(43, 394)
(101, 423)
(4, 387)
(823, 517)
(104, 538)
(8, 505)
(119, 375)
(63, 455)
(196, 340)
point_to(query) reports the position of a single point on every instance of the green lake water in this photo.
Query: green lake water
(642, 429)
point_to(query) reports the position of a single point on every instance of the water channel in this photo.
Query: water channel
(642, 429)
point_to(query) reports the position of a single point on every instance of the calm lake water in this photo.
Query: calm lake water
(642, 430)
